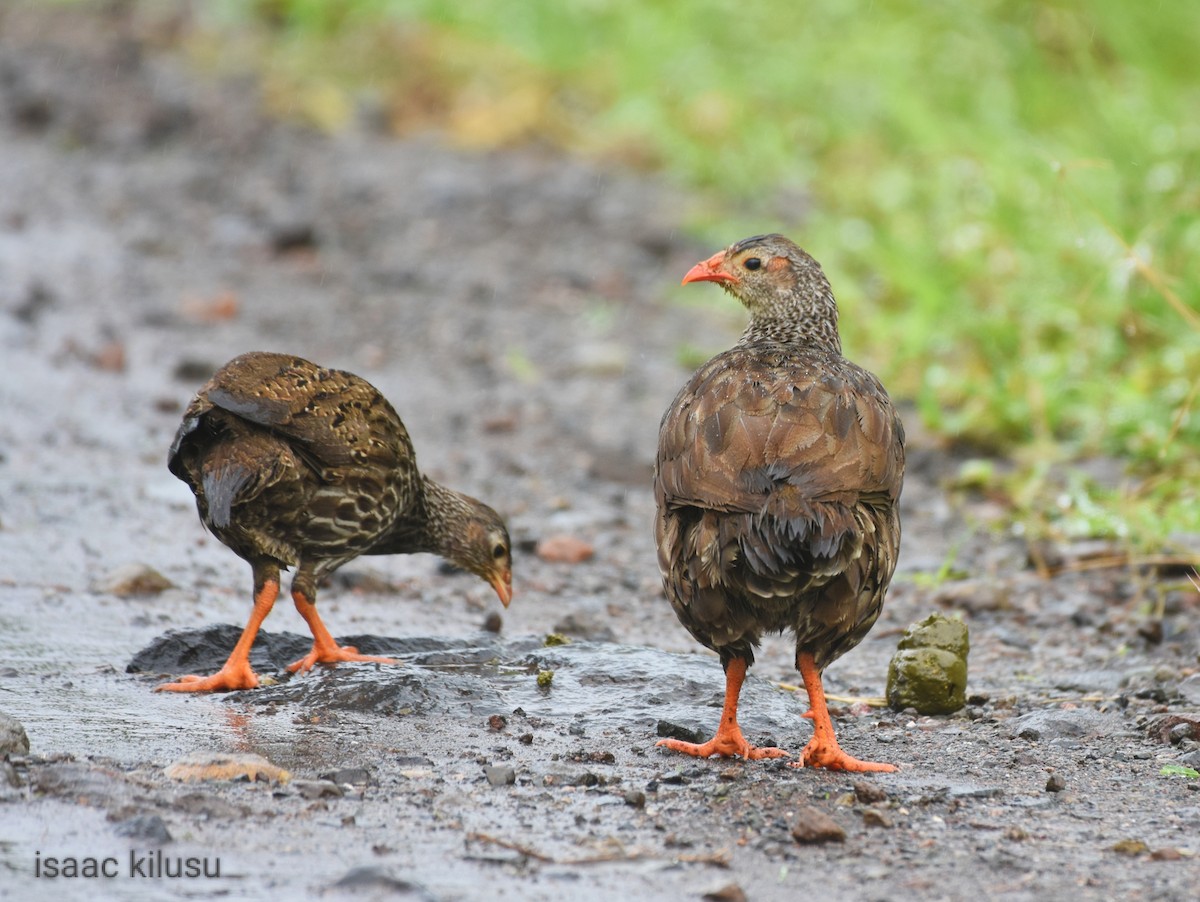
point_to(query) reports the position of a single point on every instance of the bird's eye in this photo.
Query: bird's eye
(752, 264)
(499, 551)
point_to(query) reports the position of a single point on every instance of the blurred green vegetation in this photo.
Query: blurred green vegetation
(1005, 194)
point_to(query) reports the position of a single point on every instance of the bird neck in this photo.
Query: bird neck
(445, 512)
(806, 316)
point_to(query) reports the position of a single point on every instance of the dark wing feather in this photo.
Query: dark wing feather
(777, 479)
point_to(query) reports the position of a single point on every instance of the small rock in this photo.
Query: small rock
(1055, 783)
(1167, 853)
(635, 798)
(873, 817)
(545, 678)
(497, 722)
(868, 793)
(13, 739)
(814, 826)
(1129, 847)
(500, 775)
(317, 789)
(373, 877)
(207, 806)
(669, 730)
(564, 549)
(209, 766)
(1063, 723)
(493, 622)
(147, 828)
(352, 776)
(1189, 688)
(133, 579)
(928, 672)
(731, 892)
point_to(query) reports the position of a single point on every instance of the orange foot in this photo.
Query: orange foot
(727, 744)
(831, 757)
(333, 653)
(234, 675)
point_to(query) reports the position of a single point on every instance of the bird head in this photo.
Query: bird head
(784, 288)
(486, 550)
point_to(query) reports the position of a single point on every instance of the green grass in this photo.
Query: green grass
(1005, 194)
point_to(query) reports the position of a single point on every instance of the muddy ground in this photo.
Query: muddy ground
(520, 310)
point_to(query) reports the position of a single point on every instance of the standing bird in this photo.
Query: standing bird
(777, 480)
(296, 465)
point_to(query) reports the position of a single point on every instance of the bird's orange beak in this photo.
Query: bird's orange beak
(710, 271)
(502, 583)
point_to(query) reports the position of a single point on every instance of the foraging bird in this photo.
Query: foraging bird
(297, 465)
(777, 480)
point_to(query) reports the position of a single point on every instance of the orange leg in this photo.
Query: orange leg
(729, 740)
(325, 650)
(236, 674)
(823, 749)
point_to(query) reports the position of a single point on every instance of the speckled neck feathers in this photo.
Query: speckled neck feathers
(790, 304)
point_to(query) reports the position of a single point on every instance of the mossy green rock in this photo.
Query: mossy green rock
(928, 672)
(932, 680)
(936, 631)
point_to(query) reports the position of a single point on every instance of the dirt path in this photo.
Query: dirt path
(519, 310)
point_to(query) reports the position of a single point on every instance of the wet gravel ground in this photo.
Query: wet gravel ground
(520, 310)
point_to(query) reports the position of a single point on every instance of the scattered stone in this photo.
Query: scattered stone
(1055, 783)
(1168, 853)
(207, 806)
(133, 579)
(372, 877)
(200, 767)
(1129, 847)
(554, 639)
(500, 775)
(1063, 723)
(873, 817)
(525, 739)
(869, 793)
(146, 828)
(317, 789)
(668, 730)
(349, 776)
(497, 722)
(635, 798)
(1189, 689)
(13, 738)
(731, 892)
(493, 622)
(814, 826)
(928, 672)
(564, 549)
(545, 678)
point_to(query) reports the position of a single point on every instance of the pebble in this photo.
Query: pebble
(148, 828)
(635, 798)
(354, 776)
(13, 739)
(1060, 723)
(868, 793)
(814, 826)
(873, 817)
(373, 877)
(1055, 783)
(500, 774)
(133, 579)
(564, 549)
(317, 789)
(730, 892)
(1189, 688)
(205, 766)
